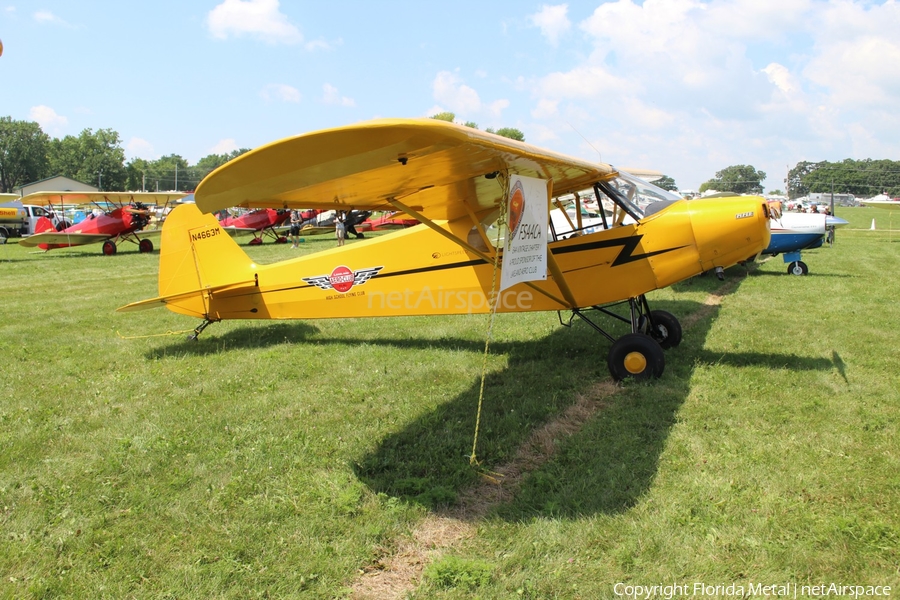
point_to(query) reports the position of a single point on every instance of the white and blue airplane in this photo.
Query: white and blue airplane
(794, 232)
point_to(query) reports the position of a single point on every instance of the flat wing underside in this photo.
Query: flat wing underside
(70, 239)
(440, 169)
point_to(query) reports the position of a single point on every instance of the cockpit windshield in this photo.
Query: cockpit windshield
(635, 195)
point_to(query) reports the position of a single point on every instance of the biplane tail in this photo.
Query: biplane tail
(44, 225)
(196, 258)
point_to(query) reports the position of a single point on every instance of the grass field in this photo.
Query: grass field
(330, 459)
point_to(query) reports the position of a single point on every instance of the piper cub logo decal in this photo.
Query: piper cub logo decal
(342, 278)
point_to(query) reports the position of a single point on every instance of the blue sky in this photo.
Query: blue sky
(686, 87)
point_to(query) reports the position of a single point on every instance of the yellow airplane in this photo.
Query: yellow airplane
(457, 181)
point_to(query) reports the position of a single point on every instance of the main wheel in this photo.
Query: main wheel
(109, 248)
(635, 356)
(666, 329)
(145, 245)
(798, 267)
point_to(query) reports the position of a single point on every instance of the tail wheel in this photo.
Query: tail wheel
(635, 356)
(798, 267)
(109, 248)
(666, 329)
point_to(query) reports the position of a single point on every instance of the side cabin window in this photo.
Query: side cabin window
(621, 200)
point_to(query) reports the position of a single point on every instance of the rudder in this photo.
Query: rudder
(196, 254)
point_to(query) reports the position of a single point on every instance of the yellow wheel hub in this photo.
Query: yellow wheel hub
(635, 362)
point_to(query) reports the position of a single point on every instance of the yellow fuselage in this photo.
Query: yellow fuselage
(418, 271)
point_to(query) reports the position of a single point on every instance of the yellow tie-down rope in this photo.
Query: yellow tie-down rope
(140, 337)
(501, 224)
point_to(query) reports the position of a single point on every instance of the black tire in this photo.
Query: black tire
(145, 245)
(666, 329)
(635, 356)
(798, 267)
(4, 234)
(109, 248)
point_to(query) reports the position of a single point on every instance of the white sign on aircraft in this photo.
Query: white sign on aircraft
(525, 254)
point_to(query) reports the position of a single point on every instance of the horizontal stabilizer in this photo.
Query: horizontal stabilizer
(164, 300)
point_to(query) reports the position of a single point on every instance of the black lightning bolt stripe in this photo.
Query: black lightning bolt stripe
(625, 256)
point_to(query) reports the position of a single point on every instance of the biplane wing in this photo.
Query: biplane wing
(316, 230)
(69, 239)
(101, 198)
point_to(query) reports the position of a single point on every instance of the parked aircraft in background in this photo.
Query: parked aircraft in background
(119, 217)
(794, 232)
(267, 222)
(459, 183)
(883, 201)
(386, 221)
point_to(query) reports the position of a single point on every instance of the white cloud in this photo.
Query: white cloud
(225, 146)
(448, 89)
(280, 92)
(260, 19)
(140, 148)
(47, 17)
(497, 107)
(545, 108)
(552, 21)
(47, 118)
(331, 96)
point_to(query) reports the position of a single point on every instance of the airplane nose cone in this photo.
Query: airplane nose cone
(835, 221)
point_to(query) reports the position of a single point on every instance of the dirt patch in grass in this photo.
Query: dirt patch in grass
(395, 575)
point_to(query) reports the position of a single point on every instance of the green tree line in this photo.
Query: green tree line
(27, 154)
(862, 178)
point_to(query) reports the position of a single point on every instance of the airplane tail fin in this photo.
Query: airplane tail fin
(43, 225)
(196, 258)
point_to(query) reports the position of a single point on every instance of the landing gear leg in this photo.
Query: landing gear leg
(639, 354)
(198, 330)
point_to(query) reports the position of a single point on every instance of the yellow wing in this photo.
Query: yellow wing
(440, 169)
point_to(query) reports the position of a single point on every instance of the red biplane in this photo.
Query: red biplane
(390, 220)
(119, 216)
(267, 222)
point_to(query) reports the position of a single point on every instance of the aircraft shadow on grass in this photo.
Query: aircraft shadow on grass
(604, 468)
